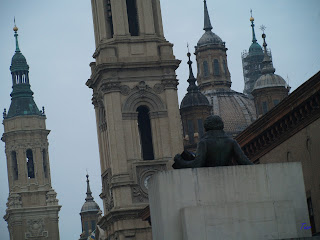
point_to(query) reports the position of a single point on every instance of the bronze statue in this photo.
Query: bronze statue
(215, 149)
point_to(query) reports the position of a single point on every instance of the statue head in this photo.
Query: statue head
(213, 122)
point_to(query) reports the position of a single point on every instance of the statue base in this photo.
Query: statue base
(265, 201)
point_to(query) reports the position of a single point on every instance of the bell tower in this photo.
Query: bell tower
(32, 208)
(137, 113)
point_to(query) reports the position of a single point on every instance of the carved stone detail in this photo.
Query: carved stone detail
(52, 198)
(14, 201)
(102, 116)
(35, 229)
(140, 191)
(142, 94)
(158, 88)
(170, 83)
(106, 194)
(125, 90)
(110, 86)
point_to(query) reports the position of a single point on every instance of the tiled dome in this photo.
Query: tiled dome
(236, 109)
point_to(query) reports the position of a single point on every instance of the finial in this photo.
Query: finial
(207, 23)
(251, 19)
(192, 81)
(268, 66)
(254, 40)
(15, 29)
(89, 193)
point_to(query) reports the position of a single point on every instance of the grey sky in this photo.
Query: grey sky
(56, 37)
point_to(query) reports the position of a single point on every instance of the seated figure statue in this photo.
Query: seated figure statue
(215, 148)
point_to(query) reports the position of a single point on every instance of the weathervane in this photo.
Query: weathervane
(251, 12)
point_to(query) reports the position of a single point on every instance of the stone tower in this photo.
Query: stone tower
(236, 109)
(194, 109)
(32, 208)
(252, 62)
(269, 88)
(137, 113)
(89, 214)
(211, 53)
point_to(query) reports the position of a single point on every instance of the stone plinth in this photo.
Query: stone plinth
(265, 201)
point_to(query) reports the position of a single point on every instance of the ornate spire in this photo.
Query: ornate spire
(192, 81)
(89, 193)
(207, 23)
(267, 62)
(22, 102)
(254, 40)
(15, 29)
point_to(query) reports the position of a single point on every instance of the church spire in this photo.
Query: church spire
(192, 81)
(254, 40)
(89, 193)
(267, 62)
(15, 29)
(22, 102)
(207, 23)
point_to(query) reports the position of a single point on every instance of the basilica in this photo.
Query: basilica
(141, 126)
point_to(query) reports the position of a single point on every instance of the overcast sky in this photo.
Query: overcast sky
(56, 37)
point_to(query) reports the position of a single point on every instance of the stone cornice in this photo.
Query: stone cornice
(121, 66)
(124, 39)
(292, 114)
(118, 215)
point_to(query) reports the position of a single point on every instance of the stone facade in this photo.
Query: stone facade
(290, 133)
(32, 208)
(135, 98)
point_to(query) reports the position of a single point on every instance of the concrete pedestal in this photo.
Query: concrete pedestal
(265, 201)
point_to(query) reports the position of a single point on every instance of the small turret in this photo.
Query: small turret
(194, 109)
(269, 88)
(89, 213)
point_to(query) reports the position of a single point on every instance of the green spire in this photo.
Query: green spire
(22, 102)
(207, 23)
(254, 40)
(15, 29)
(255, 48)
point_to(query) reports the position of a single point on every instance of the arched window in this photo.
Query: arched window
(205, 69)
(264, 107)
(30, 164)
(200, 127)
(191, 131)
(225, 67)
(144, 126)
(216, 67)
(86, 228)
(14, 165)
(44, 161)
(133, 17)
(109, 19)
(275, 102)
(93, 225)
